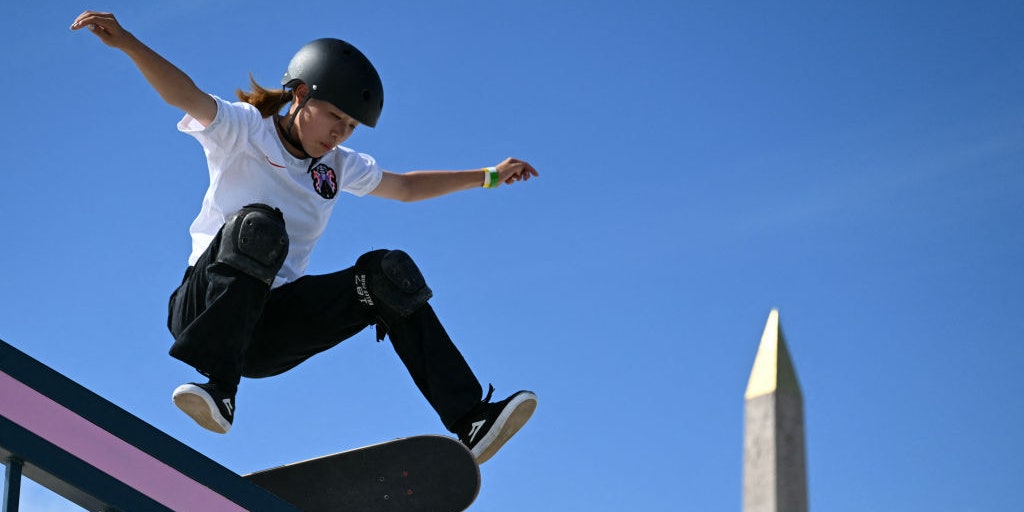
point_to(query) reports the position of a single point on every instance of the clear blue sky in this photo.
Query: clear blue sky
(858, 165)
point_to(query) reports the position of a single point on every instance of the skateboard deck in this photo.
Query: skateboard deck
(419, 473)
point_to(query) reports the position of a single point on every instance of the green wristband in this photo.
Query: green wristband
(491, 179)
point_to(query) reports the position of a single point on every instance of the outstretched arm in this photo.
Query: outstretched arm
(420, 185)
(173, 85)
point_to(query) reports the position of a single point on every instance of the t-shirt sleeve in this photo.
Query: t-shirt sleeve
(232, 124)
(360, 174)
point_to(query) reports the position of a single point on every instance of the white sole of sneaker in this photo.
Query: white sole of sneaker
(199, 406)
(515, 415)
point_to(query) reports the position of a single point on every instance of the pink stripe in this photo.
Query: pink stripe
(104, 451)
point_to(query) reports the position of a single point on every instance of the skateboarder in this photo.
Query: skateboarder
(245, 306)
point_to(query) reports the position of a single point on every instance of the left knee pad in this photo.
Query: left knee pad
(391, 282)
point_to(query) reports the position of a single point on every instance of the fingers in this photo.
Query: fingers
(77, 24)
(513, 170)
(103, 24)
(89, 19)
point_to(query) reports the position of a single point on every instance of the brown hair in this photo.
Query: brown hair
(267, 101)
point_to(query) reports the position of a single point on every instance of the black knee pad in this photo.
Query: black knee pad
(392, 283)
(254, 240)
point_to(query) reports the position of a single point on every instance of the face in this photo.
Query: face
(320, 126)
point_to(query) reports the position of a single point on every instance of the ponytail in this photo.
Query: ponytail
(267, 101)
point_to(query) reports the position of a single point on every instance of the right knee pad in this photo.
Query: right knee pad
(395, 286)
(254, 240)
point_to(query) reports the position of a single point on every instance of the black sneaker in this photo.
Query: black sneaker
(210, 406)
(489, 426)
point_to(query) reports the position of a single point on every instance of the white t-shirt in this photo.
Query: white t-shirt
(249, 164)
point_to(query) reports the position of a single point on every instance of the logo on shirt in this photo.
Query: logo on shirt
(271, 162)
(324, 181)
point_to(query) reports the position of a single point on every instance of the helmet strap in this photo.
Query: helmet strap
(286, 132)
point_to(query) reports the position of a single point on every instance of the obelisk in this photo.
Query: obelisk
(774, 461)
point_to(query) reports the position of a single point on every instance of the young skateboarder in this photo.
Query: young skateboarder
(245, 306)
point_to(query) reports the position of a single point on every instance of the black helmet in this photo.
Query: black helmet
(338, 72)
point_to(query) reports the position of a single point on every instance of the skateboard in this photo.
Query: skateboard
(420, 473)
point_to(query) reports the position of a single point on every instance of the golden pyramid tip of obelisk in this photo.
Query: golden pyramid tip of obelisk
(773, 369)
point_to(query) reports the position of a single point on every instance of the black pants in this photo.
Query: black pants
(228, 324)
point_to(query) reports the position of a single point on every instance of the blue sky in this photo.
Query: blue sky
(857, 165)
